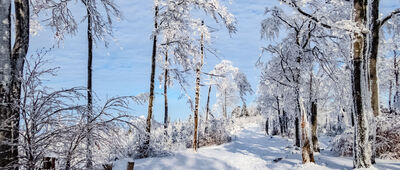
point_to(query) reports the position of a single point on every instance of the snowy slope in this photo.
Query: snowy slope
(251, 149)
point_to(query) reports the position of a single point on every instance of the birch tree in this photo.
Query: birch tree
(197, 91)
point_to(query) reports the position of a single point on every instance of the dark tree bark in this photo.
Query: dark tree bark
(298, 115)
(166, 90)
(281, 125)
(11, 73)
(89, 154)
(314, 117)
(19, 52)
(197, 97)
(362, 148)
(285, 122)
(373, 56)
(297, 131)
(6, 157)
(279, 115)
(314, 122)
(152, 79)
(396, 78)
(208, 102)
(390, 95)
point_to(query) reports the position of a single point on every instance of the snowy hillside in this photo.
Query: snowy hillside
(250, 149)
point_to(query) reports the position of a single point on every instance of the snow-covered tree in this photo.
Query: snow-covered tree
(232, 86)
(11, 68)
(180, 29)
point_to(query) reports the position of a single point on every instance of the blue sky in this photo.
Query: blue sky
(124, 67)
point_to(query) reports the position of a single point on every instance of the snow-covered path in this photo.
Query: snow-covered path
(250, 150)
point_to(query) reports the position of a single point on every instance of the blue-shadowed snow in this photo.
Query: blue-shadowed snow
(250, 149)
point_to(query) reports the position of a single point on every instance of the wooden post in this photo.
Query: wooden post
(130, 165)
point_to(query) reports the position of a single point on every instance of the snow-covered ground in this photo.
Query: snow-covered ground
(251, 149)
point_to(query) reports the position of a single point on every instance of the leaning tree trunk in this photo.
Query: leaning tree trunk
(197, 97)
(6, 157)
(89, 154)
(152, 77)
(362, 150)
(208, 102)
(306, 153)
(166, 90)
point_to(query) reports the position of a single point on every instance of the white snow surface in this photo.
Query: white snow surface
(251, 149)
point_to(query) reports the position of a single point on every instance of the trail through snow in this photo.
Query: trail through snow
(251, 149)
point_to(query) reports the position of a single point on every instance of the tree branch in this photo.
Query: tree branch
(294, 5)
(389, 16)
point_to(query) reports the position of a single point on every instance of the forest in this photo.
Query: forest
(199, 84)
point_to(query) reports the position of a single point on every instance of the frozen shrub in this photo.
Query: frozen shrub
(343, 144)
(128, 143)
(214, 133)
(387, 138)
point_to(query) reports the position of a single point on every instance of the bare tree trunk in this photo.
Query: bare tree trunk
(165, 90)
(16, 66)
(279, 115)
(224, 109)
(373, 70)
(285, 122)
(314, 122)
(390, 95)
(373, 56)
(297, 131)
(68, 164)
(362, 146)
(6, 158)
(306, 152)
(298, 115)
(151, 94)
(281, 125)
(297, 93)
(396, 77)
(89, 154)
(314, 117)
(197, 97)
(208, 102)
